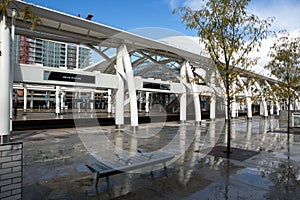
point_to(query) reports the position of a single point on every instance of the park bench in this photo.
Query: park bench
(122, 164)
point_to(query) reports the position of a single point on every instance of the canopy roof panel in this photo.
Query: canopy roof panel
(67, 28)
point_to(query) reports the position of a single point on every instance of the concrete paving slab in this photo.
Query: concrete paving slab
(54, 162)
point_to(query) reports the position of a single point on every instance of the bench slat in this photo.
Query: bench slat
(113, 167)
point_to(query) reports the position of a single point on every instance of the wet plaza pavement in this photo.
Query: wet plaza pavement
(264, 163)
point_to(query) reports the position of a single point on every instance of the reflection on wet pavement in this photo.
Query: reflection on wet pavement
(54, 162)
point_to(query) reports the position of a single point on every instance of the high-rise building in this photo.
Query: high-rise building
(51, 53)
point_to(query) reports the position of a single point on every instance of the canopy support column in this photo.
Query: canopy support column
(5, 75)
(183, 95)
(119, 98)
(248, 98)
(249, 107)
(212, 105)
(131, 87)
(263, 105)
(195, 94)
(12, 69)
(234, 109)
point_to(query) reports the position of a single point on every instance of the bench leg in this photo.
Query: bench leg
(152, 175)
(108, 185)
(107, 182)
(97, 179)
(165, 169)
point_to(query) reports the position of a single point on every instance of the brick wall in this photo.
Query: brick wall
(11, 158)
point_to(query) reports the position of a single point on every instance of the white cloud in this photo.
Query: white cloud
(194, 4)
(287, 16)
(264, 51)
(174, 3)
(286, 12)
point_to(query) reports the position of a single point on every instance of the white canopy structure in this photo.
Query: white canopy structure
(138, 64)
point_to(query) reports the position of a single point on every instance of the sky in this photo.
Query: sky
(130, 15)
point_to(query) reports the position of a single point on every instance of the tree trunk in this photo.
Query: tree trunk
(289, 112)
(229, 116)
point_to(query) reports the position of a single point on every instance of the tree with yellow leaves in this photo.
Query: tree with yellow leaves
(25, 14)
(229, 34)
(285, 66)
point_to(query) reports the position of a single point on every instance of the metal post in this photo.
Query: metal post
(277, 108)
(212, 107)
(75, 100)
(57, 101)
(147, 102)
(271, 108)
(79, 99)
(234, 103)
(15, 104)
(297, 104)
(291, 105)
(233, 108)
(31, 100)
(109, 102)
(140, 100)
(77, 57)
(4, 81)
(62, 103)
(25, 98)
(48, 94)
(92, 101)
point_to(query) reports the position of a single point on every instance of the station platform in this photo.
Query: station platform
(47, 119)
(264, 163)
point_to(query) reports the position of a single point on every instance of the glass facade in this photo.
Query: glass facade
(84, 57)
(71, 56)
(51, 53)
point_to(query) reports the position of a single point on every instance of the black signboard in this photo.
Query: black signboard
(158, 86)
(68, 77)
